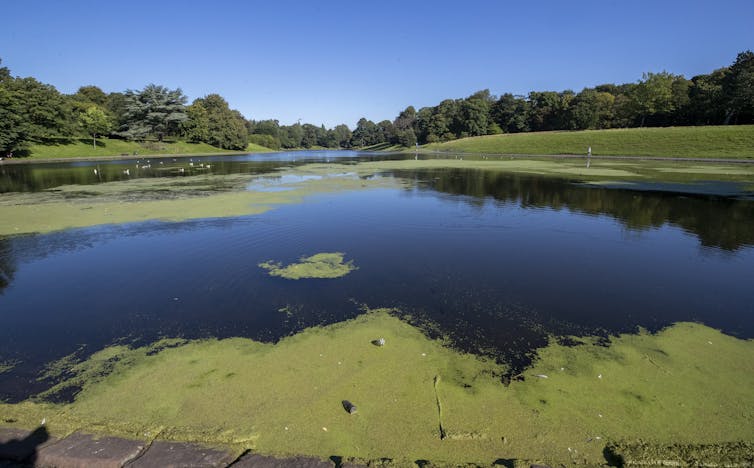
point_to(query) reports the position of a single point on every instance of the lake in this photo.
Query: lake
(496, 262)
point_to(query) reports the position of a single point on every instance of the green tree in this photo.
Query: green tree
(30, 111)
(342, 135)
(511, 113)
(590, 109)
(707, 105)
(654, 94)
(738, 89)
(154, 111)
(474, 114)
(196, 125)
(95, 121)
(224, 127)
(549, 110)
(366, 133)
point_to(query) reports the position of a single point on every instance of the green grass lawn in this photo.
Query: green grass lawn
(693, 142)
(113, 147)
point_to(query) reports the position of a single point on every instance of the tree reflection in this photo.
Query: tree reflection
(7, 264)
(723, 222)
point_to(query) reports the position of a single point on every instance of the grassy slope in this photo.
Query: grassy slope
(697, 142)
(114, 147)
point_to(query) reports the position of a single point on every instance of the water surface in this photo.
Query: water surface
(496, 262)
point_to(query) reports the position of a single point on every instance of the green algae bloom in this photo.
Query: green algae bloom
(417, 398)
(321, 265)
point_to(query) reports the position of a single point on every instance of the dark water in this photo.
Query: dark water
(496, 262)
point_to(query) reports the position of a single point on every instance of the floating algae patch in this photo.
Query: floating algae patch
(321, 265)
(147, 199)
(5, 366)
(418, 399)
(640, 453)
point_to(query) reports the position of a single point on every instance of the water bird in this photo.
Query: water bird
(127, 171)
(95, 172)
(379, 342)
(541, 376)
(191, 164)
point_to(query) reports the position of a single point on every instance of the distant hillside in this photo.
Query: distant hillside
(697, 142)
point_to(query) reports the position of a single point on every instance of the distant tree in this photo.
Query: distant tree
(154, 111)
(386, 133)
(738, 89)
(511, 113)
(291, 136)
(91, 95)
(654, 94)
(268, 141)
(549, 110)
(310, 135)
(196, 125)
(30, 111)
(590, 109)
(342, 135)
(95, 121)
(265, 127)
(366, 133)
(707, 105)
(474, 113)
(224, 128)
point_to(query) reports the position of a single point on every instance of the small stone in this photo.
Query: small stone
(324, 428)
(379, 342)
(348, 406)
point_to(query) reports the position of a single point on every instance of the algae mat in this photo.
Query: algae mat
(321, 265)
(416, 398)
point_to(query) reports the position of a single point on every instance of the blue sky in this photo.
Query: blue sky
(331, 62)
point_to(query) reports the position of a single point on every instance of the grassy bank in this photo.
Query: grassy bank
(82, 148)
(416, 399)
(681, 142)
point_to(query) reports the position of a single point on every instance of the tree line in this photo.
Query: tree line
(723, 97)
(34, 112)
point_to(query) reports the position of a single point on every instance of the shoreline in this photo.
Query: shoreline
(127, 157)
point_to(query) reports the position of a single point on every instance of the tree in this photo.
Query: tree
(654, 94)
(218, 124)
(549, 110)
(738, 89)
(30, 111)
(342, 135)
(91, 95)
(511, 113)
(707, 105)
(590, 109)
(95, 121)
(155, 111)
(196, 125)
(365, 134)
(474, 113)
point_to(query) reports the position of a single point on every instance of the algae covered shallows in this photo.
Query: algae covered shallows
(321, 265)
(659, 387)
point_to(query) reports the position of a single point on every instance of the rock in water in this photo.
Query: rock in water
(348, 406)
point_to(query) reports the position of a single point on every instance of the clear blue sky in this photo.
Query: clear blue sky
(333, 62)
